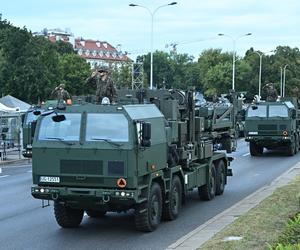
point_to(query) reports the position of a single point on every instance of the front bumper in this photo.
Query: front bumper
(82, 197)
(269, 140)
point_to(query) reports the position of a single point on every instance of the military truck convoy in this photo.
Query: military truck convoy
(273, 125)
(144, 153)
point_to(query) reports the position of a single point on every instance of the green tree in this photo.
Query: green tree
(74, 71)
(215, 71)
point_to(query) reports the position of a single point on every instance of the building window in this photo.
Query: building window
(87, 52)
(105, 45)
(94, 53)
(101, 53)
(80, 52)
(98, 44)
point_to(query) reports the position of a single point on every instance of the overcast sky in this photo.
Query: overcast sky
(192, 24)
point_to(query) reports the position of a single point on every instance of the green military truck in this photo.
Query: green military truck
(143, 153)
(273, 125)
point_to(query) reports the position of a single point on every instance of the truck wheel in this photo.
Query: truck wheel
(95, 213)
(220, 178)
(291, 149)
(256, 150)
(173, 207)
(207, 192)
(227, 144)
(148, 215)
(67, 217)
(296, 144)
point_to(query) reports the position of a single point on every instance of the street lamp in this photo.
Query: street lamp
(283, 82)
(260, 54)
(152, 13)
(233, 54)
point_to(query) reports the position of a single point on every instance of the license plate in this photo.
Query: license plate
(49, 179)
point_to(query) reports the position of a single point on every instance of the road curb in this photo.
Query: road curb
(206, 231)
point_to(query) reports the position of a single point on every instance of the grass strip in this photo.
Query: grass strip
(264, 225)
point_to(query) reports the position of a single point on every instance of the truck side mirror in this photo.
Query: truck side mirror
(32, 127)
(58, 118)
(146, 134)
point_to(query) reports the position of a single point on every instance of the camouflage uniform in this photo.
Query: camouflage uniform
(104, 88)
(60, 93)
(271, 92)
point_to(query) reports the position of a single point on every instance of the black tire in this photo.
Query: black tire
(220, 178)
(148, 215)
(296, 144)
(291, 149)
(208, 191)
(67, 217)
(255, 150)
(227, 144)
(173, 207)
(95, 213)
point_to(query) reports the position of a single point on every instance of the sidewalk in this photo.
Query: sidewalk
(196, 238)
(12, 157)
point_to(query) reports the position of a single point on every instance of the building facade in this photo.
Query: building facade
(99, 53)
(96, 53)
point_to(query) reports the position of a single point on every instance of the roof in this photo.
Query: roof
(142, 111)
(92, 49)
(13, 102)
(5, 109)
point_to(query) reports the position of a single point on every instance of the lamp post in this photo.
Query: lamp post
(283, 82)
(280, 81)
(233, 54)
(152, 13)
(260, 54)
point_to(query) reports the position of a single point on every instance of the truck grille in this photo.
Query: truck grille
(116, 168)
(81, 167)
(267, 127)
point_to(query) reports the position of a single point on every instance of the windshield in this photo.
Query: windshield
(278, 111)
(112, 127)
(67, 130)
(257, 111)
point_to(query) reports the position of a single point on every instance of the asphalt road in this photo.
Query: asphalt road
(25, 225)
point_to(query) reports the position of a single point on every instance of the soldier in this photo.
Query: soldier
(60, 93)
(271, 92)
(104, 84)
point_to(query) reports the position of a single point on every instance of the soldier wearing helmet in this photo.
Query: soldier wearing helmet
(104, 84)
(60, 93)
(271, 92)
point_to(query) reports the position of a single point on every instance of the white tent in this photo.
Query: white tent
(14, 103)
(6, 109)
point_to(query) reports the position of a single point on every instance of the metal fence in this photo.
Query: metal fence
(10, 136)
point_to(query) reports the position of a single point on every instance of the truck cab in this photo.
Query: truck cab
(272, 125)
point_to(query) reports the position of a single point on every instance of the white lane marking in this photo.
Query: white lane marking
(246, 154)
(29, 171)
(2, 176)
(0, 170)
